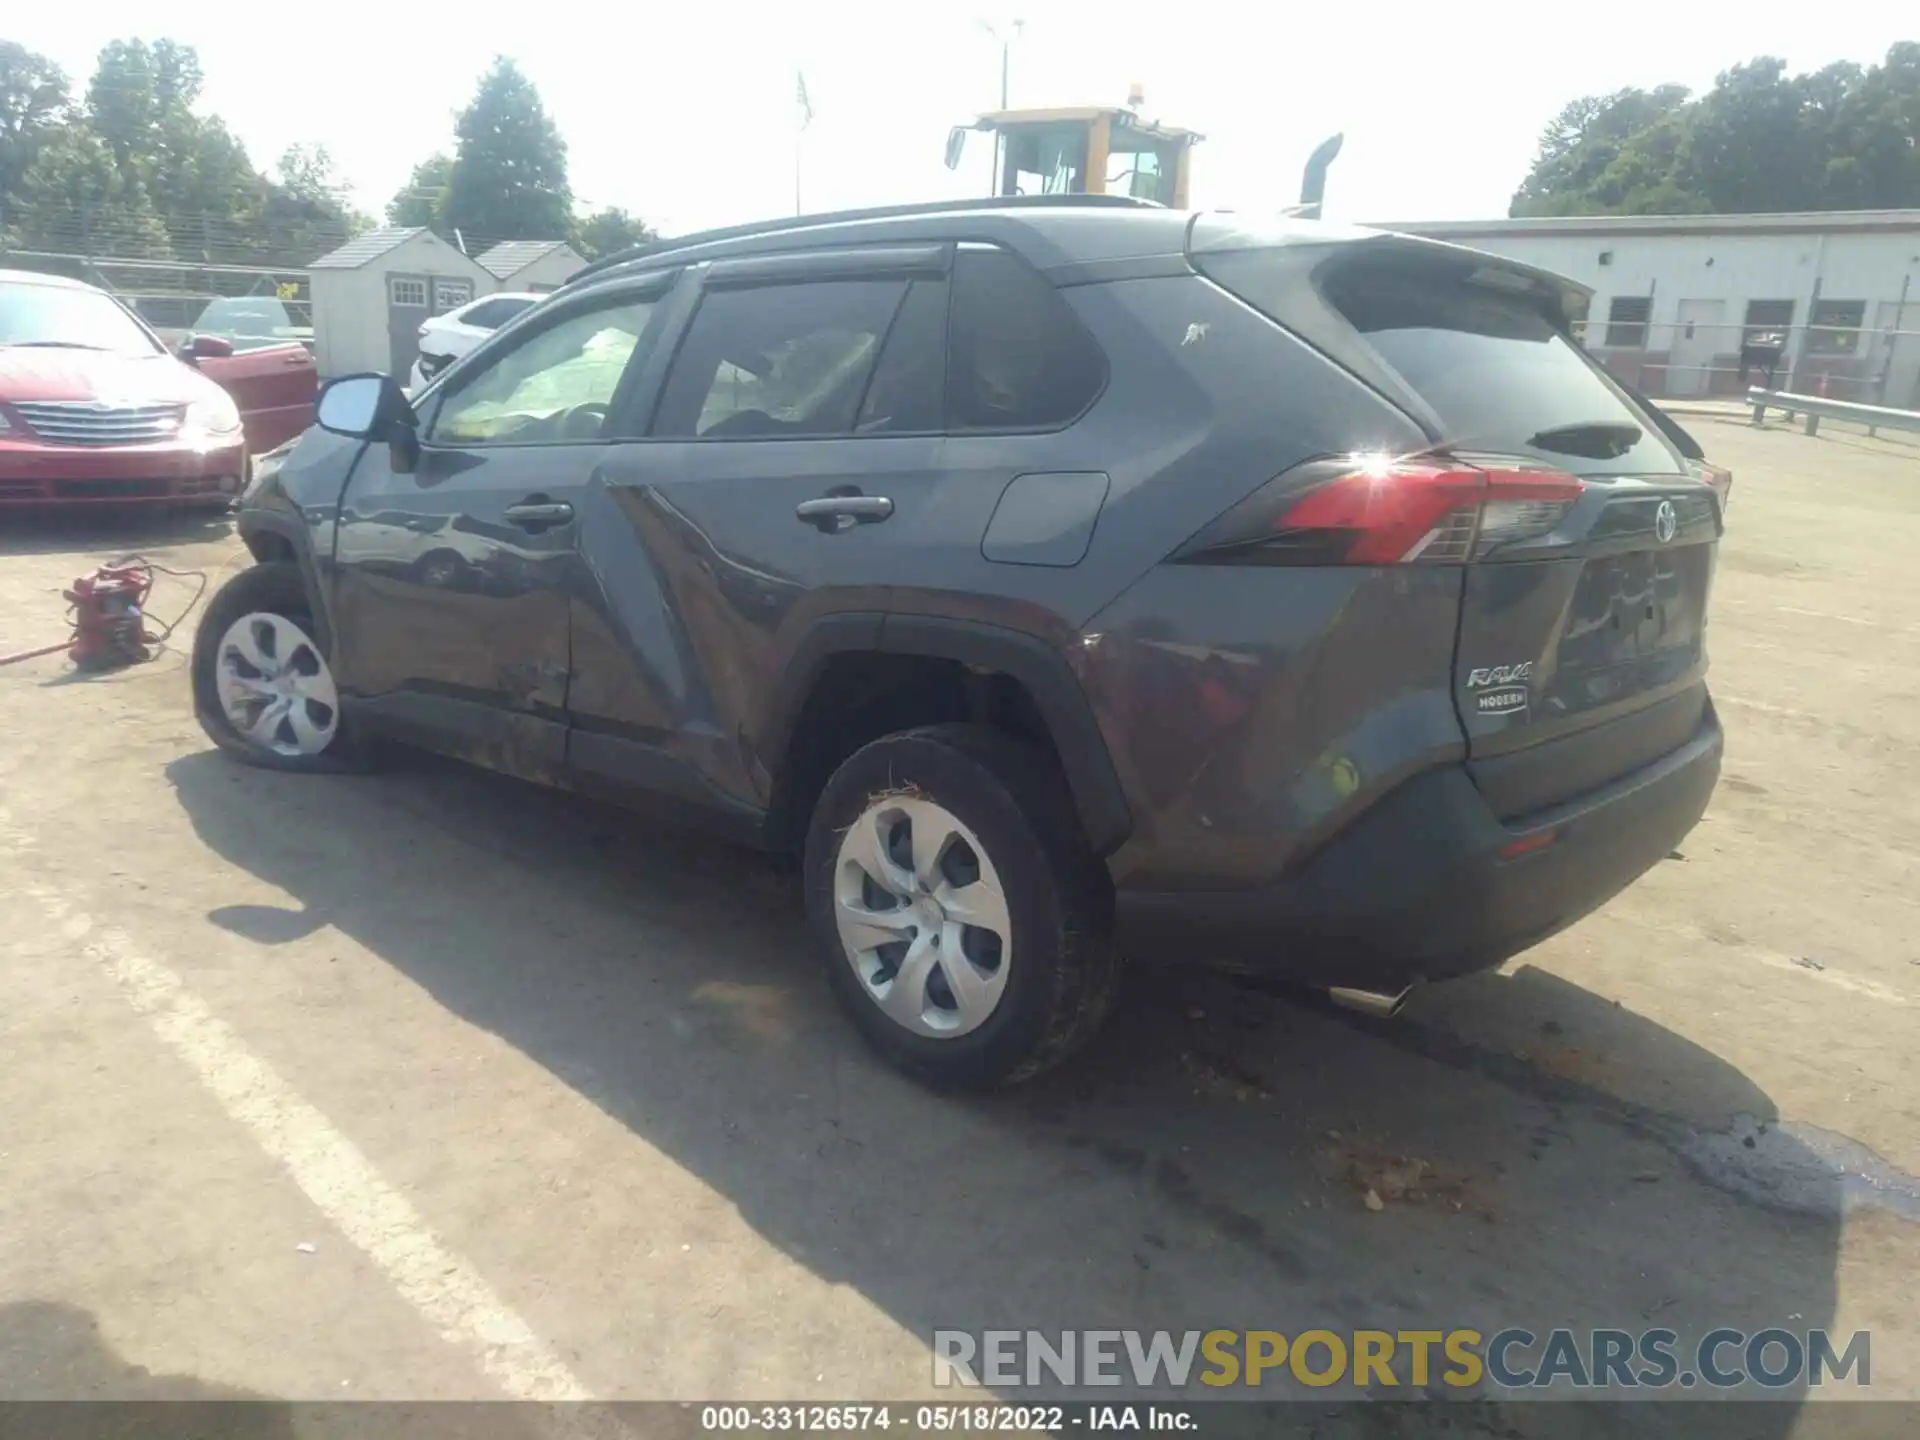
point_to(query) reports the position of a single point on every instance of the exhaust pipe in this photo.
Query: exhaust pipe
(1377, 1003)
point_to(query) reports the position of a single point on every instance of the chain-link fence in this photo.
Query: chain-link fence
(250, 305)
(1872, 355)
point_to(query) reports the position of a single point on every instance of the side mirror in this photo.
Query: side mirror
(205, 347)
(366, 407)
(956, 146)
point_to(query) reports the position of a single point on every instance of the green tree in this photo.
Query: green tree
(609, 231)
(136, 171)
(509, 175)
(75, 196)
(306, 172)
(1875, 150)
(1752, 142)
(140, 100)
(1843, 137)
(422, 200)
(1584, 140)
(305, 212)
(206, 188)
(33, 105)
(196, 174)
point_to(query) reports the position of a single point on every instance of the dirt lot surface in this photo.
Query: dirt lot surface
(430, 1084)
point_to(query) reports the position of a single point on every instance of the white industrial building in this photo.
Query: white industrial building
(371, 296)
(1696, 305)
(535, 266)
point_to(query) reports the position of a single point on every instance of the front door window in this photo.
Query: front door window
(556, 388)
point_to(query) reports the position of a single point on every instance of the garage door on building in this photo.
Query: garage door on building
(1699, 335)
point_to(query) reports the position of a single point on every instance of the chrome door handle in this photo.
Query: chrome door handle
(834, 513)
(539, 512)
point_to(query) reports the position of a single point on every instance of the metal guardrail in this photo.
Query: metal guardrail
(1815, 409)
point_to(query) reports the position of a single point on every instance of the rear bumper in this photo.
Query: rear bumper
(37, 474)
(1418, 889)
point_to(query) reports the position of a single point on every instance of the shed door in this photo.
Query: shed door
(450, 293)
(1700, 335)
(407, 297)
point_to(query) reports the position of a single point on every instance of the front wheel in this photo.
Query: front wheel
(962, 919)
(262, 686)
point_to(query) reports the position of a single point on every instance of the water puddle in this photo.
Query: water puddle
(1799, 1168)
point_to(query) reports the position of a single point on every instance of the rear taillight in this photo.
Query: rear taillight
(1719, 477)
(1375, 510)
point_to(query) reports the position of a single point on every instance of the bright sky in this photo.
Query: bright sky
(686, 114)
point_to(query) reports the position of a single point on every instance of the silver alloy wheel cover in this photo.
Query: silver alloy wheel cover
(928, 914)
(274, 685)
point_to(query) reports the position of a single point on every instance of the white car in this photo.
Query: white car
(445, 338)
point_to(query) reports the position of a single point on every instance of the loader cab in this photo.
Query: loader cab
(1092, 150)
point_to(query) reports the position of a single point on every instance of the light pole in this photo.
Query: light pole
(1006, 37)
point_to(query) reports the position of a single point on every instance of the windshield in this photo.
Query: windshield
(252, 322)
(58, 317)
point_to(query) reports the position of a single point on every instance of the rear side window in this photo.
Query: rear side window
(1017, 357)
(777, 361)
(1496, 370)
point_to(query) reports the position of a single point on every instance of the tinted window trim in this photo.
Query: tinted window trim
(873, 262)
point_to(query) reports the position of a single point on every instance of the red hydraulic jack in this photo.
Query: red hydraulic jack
(109, 619)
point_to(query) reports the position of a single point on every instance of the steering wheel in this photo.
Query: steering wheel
(584, 422)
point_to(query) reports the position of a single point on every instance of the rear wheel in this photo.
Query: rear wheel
(962, 920)
(262, 687)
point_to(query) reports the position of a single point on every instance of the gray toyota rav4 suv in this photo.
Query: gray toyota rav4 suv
(1061, 581)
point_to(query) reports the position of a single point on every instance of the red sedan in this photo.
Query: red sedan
(94, 408)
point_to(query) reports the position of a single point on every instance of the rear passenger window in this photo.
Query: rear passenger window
(909, 383)
(1017, 358)
(777, 361)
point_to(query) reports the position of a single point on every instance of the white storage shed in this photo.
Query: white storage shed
(534, 266)
(371, 296)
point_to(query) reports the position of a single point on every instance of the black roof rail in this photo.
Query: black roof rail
(840, 217)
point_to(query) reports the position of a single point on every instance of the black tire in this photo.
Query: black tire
(1064, 970)
(276, 588)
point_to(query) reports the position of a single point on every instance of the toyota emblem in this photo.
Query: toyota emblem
(1666, 520)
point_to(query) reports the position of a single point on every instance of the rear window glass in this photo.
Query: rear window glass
(1496, 371)
(255, 322)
